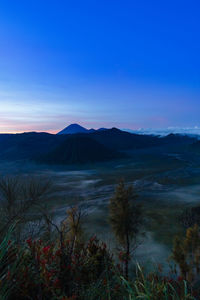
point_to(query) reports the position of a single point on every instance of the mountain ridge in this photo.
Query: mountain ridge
(101, 144)
(76, 128)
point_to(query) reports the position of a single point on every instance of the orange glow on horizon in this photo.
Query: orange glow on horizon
(24, 131)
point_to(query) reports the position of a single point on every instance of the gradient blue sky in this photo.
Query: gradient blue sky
(128, 64)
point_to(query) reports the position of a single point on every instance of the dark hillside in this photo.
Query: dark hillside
(195, 147)
(121, 140)
(79, 149)
(177, 139)
(27, 145)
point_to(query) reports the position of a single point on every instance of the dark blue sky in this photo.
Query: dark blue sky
(99, 63)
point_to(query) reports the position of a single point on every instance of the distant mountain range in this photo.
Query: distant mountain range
(193, 131)
(76, 128)
(75, 145)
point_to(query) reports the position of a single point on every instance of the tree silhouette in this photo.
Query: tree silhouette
(125, 219)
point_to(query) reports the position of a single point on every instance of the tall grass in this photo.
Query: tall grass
(141, 287)
(9, 262)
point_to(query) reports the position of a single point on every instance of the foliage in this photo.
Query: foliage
(50, 270)
(190, 216)
(9, 265)
(125, 219)
(186, 253)
(17, 197)
(63, 265)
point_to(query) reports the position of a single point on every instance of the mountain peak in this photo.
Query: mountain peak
(72, 129)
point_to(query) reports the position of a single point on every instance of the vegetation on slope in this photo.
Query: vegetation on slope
(59, 263)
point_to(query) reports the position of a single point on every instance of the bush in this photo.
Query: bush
(53, 271)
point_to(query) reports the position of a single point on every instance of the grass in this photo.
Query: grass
(8, 266)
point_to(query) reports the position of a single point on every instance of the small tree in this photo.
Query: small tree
(17, 198)
(125, 219)
(74, 225)
(186, 253)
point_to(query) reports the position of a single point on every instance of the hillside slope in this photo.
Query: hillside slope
(79, 149)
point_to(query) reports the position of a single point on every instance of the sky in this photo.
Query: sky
(126, 64)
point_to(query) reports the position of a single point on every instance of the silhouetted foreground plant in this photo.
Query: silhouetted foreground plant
(186, 253)
(42, 276)
(10, 259)
(125, 220)
(89, 273)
